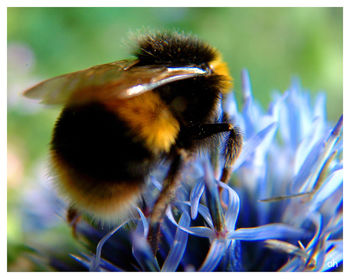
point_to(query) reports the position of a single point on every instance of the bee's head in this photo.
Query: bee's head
(178, 50)
(191, 100)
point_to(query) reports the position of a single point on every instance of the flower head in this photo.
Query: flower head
(282, 210)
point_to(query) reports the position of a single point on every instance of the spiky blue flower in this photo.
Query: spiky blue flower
(282, 210)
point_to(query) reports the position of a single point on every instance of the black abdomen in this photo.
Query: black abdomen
(95, 143)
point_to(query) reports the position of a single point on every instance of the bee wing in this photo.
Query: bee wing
(59, 90)
(108, 81)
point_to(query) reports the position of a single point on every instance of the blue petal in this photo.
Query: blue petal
(306, 115)
(326, 151)
(317, 221)
(213, 198)
(178, 247)
(336, 130)
(294, 265)
(232, 259)
(251, 111)
(246, 85)
(275, 107)
(198, 231)
(332, 183)
(230, 105)
(168, 234)
(156, 183)
(216, 251)
(253, 143)
(143, 253)
(320, 259)
(270, 231)
(145, 225)
(96, 261)
(203, 210)
(85, 262)
(306, 145)
(320, 107)
(307, 168)
(295, 117)
(195, 196)
(265, 145)
(290, 121)
(339, 147)
(232, 211)
(284, 129)
(107, 266)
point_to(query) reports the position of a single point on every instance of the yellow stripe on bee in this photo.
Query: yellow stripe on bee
(220, 68)
(148, 117)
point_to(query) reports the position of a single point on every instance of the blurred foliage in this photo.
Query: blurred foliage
(275, 44)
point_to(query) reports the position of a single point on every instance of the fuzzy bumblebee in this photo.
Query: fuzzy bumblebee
(122, 118)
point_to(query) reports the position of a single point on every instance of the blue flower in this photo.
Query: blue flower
(282, 210)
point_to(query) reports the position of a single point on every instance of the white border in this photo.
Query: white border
(179, 3)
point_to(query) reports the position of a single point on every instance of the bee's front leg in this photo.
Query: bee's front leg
(165, 197)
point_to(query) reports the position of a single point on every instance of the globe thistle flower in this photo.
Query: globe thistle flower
(281, 211)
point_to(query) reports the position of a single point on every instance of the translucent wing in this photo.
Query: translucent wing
(108, 81)
(59, 90)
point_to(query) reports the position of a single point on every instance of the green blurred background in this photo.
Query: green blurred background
(274, 44)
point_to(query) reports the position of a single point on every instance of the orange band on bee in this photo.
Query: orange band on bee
(149, 118)
(220, 68)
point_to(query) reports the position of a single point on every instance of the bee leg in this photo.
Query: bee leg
(73, 218)
(165, 197)
(233, 147)
(233, 143)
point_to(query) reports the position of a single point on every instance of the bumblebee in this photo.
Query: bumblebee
(120, 119)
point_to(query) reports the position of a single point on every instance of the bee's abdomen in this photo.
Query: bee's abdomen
(95, 143)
